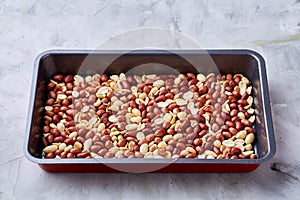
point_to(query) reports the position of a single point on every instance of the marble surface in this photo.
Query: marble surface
(29, 27)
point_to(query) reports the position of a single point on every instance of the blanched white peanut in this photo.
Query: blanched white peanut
(78, 145)
(113, 119)
(60, 127)
(61, 96)
(249, 138)
(166, 138)
(188, 95)
(162, 145)
(167, 117)
(68, 148)
(62, 146)
(177, 80)
(228, 143)
(180, 102)
(140, 136)
(136, 119)
(158, 121)
(181, 115)
(158, 83)
(217, 143)
(131, 127)
(241, 134)
(177, 136)
(201, 78)
(247, 153)
(136, 112)
(50, 149)
(144, 148)
(191, 150)
(87, 144)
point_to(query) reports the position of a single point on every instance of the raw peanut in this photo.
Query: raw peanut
(216, 150)
(75, 150)
(58, 78)
(238, 126)
(70, 155)
(214, 127)
(197, 142)
(199, 149)
(122, 143)
(95, 148)
(50, 138)
(235, 151)
(157, 139)
(83, 155)
(180, 146)
(233, 130)
(208, 145)
(166, 125)
(230, 123)
(160, 99)
(50, 155)
(150, 137)
(246, 122)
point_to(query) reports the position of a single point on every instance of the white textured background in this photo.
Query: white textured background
(29, 27)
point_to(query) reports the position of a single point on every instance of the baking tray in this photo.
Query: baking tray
(53, 62)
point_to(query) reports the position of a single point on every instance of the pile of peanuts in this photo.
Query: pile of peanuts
(149, 116)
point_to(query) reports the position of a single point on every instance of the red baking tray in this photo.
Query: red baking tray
(247, 62)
